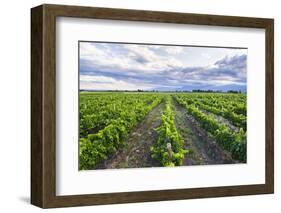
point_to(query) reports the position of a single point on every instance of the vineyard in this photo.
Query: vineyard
(133, 130)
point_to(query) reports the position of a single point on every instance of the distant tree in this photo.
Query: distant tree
(207, 91)
(233, 91)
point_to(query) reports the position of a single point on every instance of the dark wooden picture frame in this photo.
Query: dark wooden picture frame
(43, 105)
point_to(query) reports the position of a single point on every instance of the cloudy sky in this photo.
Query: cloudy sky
(119, 66)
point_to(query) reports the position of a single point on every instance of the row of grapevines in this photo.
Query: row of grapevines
(235, 103)
(228, 140)
(169, 148)
(238, 120)
(95, 148)
(97, 110)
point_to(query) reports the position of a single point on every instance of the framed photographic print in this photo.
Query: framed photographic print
(136, 106)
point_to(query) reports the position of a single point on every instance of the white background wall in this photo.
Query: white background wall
(15, 105)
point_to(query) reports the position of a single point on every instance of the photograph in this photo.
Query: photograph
(139, 105)
(160, 105)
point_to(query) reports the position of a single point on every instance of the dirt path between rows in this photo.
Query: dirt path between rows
(222, 120)
(203, 149)
(137, 152)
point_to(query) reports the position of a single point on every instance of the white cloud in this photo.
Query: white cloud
(173, 50)
(92, 78)
(206, 55)
(102, 57)
(215, 82)
(134, 58)
(146, 67)
(168, 49)
(234, 52)
(141, 51)
(88, 82)
(89, 51)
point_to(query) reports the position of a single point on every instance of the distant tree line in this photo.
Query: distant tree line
(176, 91)
(217, 91)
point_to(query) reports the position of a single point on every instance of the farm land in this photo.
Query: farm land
(161, 129)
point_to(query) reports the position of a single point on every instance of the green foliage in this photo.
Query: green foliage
(234, 142)
(232, 109)
(107, 118)
(110, 118)
(96, 147)
(169, 140)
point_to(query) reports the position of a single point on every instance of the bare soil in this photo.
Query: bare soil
(203, 149)
(137, 152)
(222, 120)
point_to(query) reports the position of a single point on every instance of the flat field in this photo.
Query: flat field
(146, 129)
